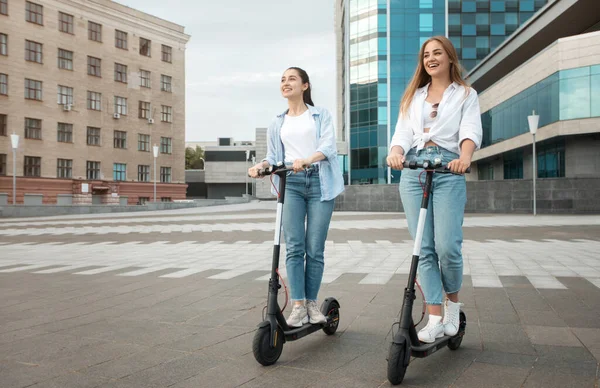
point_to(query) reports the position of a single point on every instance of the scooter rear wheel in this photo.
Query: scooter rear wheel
(454, 342)
(396, 367)
(261, 347)
(331, 309)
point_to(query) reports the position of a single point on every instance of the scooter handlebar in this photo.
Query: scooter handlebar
(428, 165)
(278, 169)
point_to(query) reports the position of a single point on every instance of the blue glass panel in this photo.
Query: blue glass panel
(526, 6)
(469, 30)
(497, 6)
(373, 138)
(595, 93)
(426, 22)
(574, 96)
(454, 19)
(363, 139)
(482, 42)
(511, 18)
(469, 53)
(425, 3)
(482, 18)
(469, 6)
(498, 29)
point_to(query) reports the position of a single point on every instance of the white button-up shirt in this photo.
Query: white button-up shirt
(458, 118)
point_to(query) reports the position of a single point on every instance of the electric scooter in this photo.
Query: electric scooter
(405, 342)
(274, 331)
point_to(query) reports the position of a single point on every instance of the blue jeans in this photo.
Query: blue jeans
(305, 225)
(440, 261)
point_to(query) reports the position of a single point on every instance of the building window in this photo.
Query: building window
(93, 136)
(165, 145)
(145, 79)
(3, 44)
(65, 133)
(165, 174)
(2, 164)
(4, 7)
(119, 171)
(121, 39)
(94, 100)
(65, 59)
(33, 89)
(65, 22)
(94, 66)
(167, 53)
(551, 159)
(94, 31)
(34, 13)
(120, 140)
(165, 199)
(144, 110)
(64, 168)
(143, 142)
(165, 83)
(485, 171)
(143, 173)
(65, 95)
(120, 73)
(513, 164)
(33, 128)
(143, 200)
(4, 84)
(166, 114)
(32, 166)
(145, 47)
(33, 51)
(3, 124)
(93, 170)
(121, 105)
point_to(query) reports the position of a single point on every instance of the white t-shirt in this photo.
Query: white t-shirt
(299, 136)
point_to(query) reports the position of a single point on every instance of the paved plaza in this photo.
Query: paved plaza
(172, 299)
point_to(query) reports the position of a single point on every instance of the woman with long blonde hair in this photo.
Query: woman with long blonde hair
(439, 120)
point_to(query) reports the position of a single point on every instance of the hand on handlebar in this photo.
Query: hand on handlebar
(253, 171)
(459, 166)
(300, 165)
(395, 161)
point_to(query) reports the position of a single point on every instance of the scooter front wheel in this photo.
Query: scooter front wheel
(396, 367)
(261, 347)
(331, 309)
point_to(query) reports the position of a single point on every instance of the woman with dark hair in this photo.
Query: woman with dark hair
(439, 120)
(303, 137)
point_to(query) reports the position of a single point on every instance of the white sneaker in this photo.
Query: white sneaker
(298, 317)
(451, 317)
(314, 313)
(433, 330)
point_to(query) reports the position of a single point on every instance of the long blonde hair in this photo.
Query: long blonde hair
(421, 78)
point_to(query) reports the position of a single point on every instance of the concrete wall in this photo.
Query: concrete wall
(222, 190)
(554, 195)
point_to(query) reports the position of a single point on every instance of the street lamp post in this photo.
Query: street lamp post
(14, 139)
(155, 151)
(534, 120)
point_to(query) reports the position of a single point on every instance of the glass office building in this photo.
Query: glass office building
(383, 45)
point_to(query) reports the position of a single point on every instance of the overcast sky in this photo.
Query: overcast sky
(237, 53)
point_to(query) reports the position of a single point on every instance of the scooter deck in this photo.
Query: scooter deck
(427, 349)
(306, 329)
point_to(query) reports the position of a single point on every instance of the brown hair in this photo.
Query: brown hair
(421, 78)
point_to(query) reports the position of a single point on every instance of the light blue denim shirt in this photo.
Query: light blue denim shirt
(330, 173)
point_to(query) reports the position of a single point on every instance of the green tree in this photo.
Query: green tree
(194, 158)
